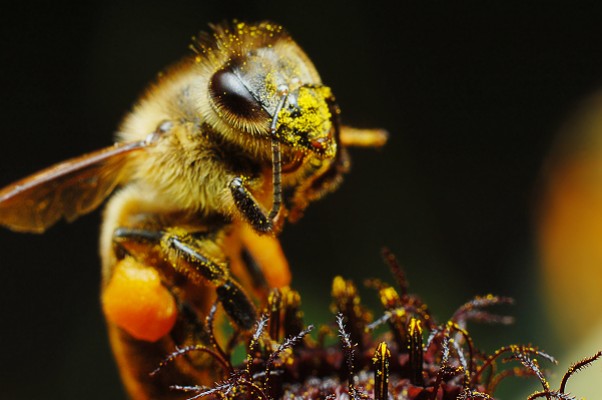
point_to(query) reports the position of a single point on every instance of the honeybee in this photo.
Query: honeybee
(218, 153)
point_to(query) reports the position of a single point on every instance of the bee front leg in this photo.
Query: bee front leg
(249, 207)
(185, 254)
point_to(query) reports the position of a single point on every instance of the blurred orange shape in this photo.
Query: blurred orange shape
(137, 302)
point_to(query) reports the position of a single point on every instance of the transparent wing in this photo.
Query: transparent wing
(68, 189)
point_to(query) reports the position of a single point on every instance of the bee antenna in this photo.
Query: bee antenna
(276, 156)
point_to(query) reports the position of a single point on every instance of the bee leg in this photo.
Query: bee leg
(363, 137)
(184, 253)
(249, 207)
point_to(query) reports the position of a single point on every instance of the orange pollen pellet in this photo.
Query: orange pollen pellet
(137, 302)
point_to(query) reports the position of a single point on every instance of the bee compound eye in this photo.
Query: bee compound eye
(230, 94)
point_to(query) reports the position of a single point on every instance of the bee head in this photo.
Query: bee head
(268, 88)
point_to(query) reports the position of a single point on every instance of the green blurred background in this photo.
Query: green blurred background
(471, 92)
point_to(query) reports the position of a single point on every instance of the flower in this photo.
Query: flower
(416, 358)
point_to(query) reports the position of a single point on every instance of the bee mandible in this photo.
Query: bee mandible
(215, 156)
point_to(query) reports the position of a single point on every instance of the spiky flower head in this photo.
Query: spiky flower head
(416, 358)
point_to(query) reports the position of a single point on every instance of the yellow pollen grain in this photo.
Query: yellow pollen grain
(314, 115)
(389, 295)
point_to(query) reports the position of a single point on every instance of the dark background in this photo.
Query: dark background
(472, 93)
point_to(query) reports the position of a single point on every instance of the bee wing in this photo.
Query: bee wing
(68, 189)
